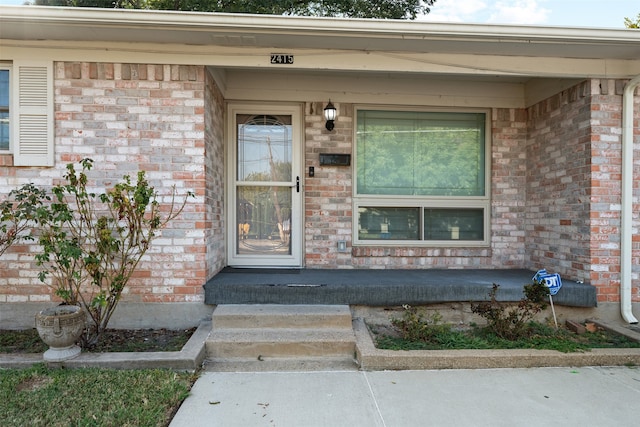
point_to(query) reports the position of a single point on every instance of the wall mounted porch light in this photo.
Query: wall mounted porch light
(330, 114)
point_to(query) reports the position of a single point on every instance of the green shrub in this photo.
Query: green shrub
(92, 243)
(414, 327)
(18, 214)
(512, 323)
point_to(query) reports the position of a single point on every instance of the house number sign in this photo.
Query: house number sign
(281, 58)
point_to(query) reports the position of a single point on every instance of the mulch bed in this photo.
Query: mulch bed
(113, 340)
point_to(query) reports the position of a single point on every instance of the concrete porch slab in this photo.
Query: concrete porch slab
(379, 287)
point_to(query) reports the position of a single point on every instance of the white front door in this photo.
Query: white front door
(265, 191)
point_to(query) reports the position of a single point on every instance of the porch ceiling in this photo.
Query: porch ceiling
(399, 88)
(262, 31)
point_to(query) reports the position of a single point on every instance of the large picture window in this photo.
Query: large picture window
(421, 177)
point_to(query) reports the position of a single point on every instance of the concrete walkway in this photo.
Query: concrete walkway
(586, 396)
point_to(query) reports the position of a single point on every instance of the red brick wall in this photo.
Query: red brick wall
(508, 178)
(574, 186)
(328, 192)
(558, 183)
(555, 181)
(606, 170)
(328, 202)
(128, 117)
(214, 172)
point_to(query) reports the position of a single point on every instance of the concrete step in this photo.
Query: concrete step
(280, 337)
(280, 342)
(281, 364)
(281, 316)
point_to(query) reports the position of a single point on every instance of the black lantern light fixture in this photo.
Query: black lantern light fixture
(330, 114)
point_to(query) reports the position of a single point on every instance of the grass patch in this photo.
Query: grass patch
(113, 340)
(40, 396)
(539, 336)
(23, 341)
(507, 327)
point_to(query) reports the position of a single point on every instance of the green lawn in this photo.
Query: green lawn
(40, 396)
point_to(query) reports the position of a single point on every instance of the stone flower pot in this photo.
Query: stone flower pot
(60, 327)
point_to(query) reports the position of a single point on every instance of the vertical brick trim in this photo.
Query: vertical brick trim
(606, 174)
(508, 179)
(328, 192)
(214, 166)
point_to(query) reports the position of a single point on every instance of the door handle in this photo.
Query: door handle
(297, 184)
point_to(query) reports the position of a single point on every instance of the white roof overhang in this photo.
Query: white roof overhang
(145, 26)
(529, 55)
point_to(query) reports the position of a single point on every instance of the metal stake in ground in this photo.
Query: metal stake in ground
(553, 310)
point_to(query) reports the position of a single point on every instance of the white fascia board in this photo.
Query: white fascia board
(360, 34)
(244, 22)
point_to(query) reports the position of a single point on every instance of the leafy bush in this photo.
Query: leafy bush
(18, 214)
(414, 327)
(512, 323)
(93, 243)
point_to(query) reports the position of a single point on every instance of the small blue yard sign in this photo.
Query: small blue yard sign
(552, 281)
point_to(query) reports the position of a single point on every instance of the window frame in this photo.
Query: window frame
(423, 202)
(8, 67)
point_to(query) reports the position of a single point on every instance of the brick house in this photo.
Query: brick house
(454, 146)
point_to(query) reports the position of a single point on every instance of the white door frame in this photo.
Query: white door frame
(295, 259)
